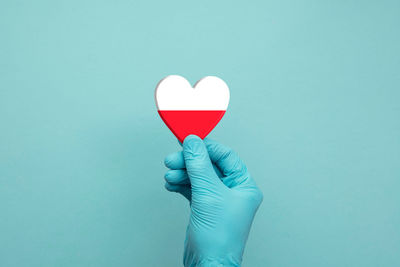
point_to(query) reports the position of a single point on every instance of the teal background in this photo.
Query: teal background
(314, 112)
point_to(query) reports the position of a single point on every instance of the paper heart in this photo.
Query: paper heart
(191, 110)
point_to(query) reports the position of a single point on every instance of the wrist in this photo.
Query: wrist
(203, 249)
(196, 260)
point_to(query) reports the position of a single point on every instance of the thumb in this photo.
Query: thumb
(198, 164)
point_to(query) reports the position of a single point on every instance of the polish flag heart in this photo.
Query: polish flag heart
(191, 110)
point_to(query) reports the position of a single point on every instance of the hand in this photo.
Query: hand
(223, 200)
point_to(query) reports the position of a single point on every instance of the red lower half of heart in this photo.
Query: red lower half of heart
(185, 122)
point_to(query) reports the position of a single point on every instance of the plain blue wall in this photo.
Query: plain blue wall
(314, 112)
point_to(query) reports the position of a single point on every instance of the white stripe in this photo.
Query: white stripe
(175, 93)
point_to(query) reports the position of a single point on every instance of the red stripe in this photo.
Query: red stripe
(185, 122)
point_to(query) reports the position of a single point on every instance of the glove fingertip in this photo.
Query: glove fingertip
(191, 139)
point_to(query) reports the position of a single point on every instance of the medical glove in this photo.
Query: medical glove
(223, 201)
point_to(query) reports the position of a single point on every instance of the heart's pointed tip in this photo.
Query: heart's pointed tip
(185, 122)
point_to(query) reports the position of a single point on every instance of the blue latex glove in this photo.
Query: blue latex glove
(223, 201)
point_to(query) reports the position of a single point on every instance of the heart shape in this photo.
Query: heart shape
(191, 110)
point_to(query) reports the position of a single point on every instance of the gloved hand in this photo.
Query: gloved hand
(223, 201)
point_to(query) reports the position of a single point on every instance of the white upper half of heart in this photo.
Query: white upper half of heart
(175, 93)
